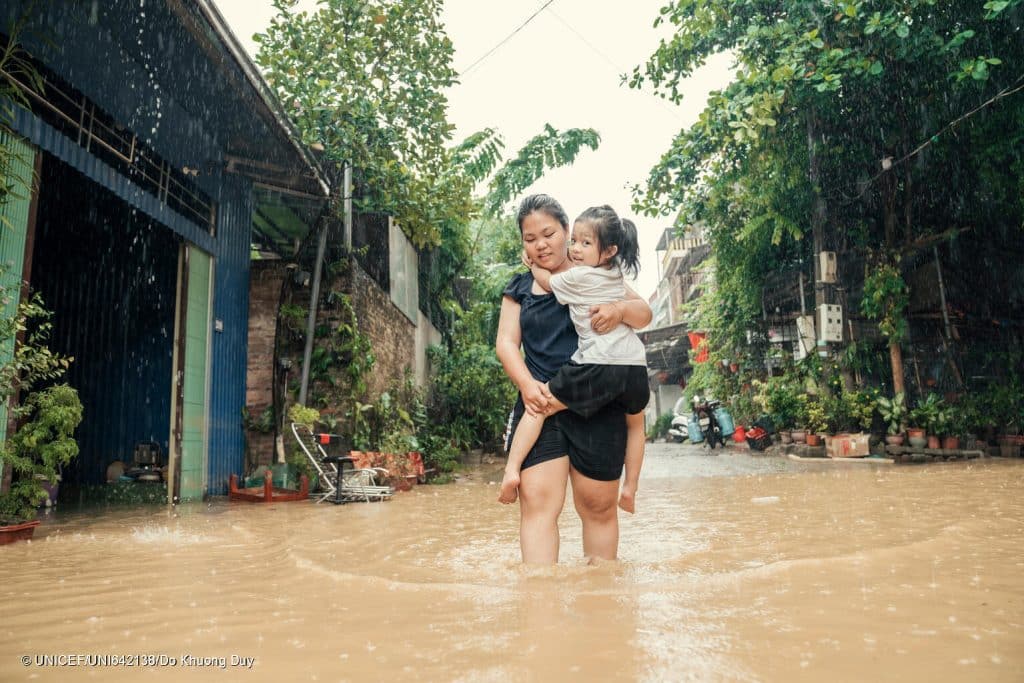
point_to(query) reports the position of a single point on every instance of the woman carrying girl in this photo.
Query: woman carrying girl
(535, 338)
(605, 368)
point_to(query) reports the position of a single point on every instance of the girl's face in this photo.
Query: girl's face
(544, 240)
(585, 249)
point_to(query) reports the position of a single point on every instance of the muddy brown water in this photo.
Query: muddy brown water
(736, 568)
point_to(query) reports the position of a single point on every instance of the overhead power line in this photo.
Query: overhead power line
(506, 39)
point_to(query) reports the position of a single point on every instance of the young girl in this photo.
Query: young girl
(606, 368)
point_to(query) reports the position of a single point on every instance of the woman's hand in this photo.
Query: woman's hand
(605, 317)
(535, 398)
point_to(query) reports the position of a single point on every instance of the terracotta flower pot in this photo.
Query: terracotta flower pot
(17, 532)
(950, 443)
(894, 439)
(933, 441)
(813, 440)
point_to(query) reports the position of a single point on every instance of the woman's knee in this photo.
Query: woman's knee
(542, 488)
(594, 500)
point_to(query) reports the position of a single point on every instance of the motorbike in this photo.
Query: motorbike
(707, 422)
(679, 430)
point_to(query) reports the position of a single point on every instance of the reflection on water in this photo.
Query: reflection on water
(736, 568)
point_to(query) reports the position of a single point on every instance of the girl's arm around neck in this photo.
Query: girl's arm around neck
(542, 277)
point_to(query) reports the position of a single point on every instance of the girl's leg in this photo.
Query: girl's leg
(595, 504)
(526, 435)
(635, 440)
(527, 432)
(541, 497)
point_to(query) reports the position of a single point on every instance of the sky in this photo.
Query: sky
(562, 68)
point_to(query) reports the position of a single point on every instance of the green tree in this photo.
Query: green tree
(845, 124)
(364, 81)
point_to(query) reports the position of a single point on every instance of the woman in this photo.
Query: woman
(532, 319)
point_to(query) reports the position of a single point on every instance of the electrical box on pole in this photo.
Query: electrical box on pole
(828, 267)
(830, 323)
(805, 338)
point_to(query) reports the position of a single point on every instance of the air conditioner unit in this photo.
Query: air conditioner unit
(828, 266)
(805, 339)
(830, 323)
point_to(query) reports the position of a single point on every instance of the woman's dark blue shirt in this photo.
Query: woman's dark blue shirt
(548, 336)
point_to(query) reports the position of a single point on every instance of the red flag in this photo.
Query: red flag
(699, 342)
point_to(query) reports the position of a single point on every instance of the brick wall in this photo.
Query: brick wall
(392, 335)
(394, 339)
(264, 294)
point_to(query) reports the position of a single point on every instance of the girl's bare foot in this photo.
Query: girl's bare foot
(509, 488)
(627, 500)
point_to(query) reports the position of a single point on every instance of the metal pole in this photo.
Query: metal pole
(942, 292)
(346, 195)
(314, 298)
(803, 308)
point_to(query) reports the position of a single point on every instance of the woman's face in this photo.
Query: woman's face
(544, 239)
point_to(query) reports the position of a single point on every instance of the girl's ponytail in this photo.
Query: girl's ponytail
(629, 249)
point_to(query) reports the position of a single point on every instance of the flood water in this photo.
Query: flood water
(736, 568)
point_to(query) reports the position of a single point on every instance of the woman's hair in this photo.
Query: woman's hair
(545, 204)
(613, 231)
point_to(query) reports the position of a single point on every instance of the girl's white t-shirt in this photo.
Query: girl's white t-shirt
(581, 287)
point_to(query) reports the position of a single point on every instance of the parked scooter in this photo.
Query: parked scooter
(679, 431)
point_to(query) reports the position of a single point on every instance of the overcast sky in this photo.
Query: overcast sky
(562, 68)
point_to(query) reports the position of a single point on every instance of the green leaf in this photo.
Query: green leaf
(902, 30)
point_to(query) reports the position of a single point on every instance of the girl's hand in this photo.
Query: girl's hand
(526, 259)
(534, 397)
(605, 317)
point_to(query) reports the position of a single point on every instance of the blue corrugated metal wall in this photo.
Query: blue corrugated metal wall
(229, 346)
(108, 273)
(176, 121)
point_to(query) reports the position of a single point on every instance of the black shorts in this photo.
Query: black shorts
(586, 389)
(596, 446)
(550, 444)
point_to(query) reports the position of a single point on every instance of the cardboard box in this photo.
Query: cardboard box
(848, 446)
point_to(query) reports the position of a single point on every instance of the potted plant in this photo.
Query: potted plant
(920, 417)
(948, 425)
(928, 416)
(778, 399)
(817, 421)
(41, 443)
(36, 452)
(893, 411)
(799, 432)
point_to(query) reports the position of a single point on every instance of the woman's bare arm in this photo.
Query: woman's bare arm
(506, 346)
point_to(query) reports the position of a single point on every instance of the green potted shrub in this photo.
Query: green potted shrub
(929, 416)
(42, 442)
(816, 421)
(894, 412)
(42, 445)
(800, 418)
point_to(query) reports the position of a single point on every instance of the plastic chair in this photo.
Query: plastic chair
(338, 483)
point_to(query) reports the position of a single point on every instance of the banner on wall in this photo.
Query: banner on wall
(699, 342)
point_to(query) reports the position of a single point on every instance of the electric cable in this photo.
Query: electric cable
(505, 39)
